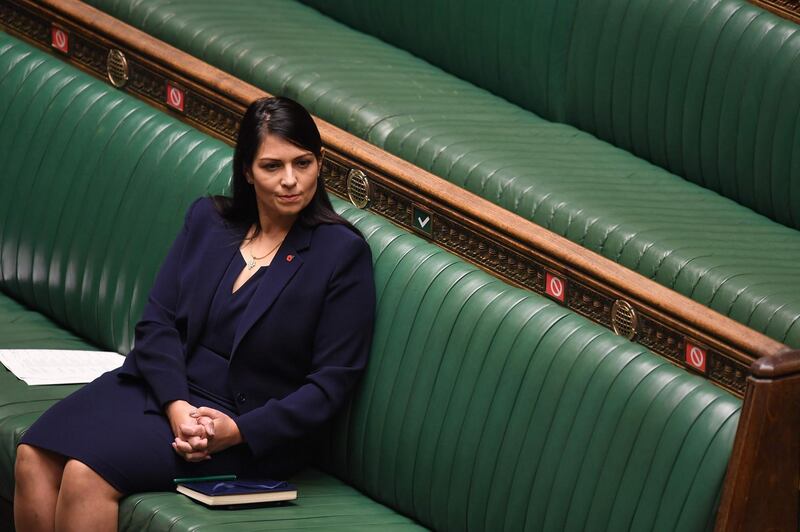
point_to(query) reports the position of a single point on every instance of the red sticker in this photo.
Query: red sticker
(175, 97)
(555, 287)
(289, 258)
(696, 357)
(59, 39)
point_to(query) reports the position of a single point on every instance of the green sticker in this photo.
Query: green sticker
(422, 220)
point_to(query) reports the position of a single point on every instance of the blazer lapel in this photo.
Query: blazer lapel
(224, 242)
(284, 265)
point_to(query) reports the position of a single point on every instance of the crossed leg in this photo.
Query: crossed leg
(52, 492)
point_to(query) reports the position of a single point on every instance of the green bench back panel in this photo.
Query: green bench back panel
(484, 407)
(93, 184)
(704, 88)
(514, 49)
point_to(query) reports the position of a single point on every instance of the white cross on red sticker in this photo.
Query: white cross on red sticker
(59, 39)
(175, 97)
(555, 287)
(695, 357)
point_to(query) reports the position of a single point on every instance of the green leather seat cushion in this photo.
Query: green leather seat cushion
(484, 406)
(685, 237)
(325, 503)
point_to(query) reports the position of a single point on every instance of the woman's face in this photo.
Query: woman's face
(284, 176)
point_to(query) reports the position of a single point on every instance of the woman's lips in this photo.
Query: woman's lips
(289, 198)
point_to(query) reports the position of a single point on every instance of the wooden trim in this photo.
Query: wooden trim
(495, 239)
(785, 364)
(760, 490)
(788, 9)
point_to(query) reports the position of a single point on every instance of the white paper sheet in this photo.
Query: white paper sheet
(58, 366)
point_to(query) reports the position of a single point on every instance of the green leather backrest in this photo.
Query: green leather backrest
(484, 407)
(516, 49)
(93, 189)
(704, 88)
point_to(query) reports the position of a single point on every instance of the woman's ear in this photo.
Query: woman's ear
(322, 154)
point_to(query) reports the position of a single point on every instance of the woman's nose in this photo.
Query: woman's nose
(288, 179)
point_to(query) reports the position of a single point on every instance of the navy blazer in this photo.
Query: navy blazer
(301, 344)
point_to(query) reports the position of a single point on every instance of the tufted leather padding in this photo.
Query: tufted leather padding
(484, 407)
(325, 504)
(67, 245)
(514, 49)
(705, 89)
(685, 237)
(488, 408)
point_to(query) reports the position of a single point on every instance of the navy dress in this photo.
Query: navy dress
(106, 425)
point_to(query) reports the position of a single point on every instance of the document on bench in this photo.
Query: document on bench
(58, 366)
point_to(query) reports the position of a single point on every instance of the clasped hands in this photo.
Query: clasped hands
(200, 432)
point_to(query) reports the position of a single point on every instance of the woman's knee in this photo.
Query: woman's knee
(80, 480)
(37, 466)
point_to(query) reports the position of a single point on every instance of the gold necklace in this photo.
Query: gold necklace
(252, 263)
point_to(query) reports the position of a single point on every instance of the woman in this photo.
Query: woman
(256, 329)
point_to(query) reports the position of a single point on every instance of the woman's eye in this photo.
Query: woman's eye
(271, 167)
(303, 163)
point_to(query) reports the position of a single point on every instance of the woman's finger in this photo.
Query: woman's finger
(182, 446)
(208, 424)
(196, 457)
(198, 444)
(190, 456)
(192, 429)
(206, 411)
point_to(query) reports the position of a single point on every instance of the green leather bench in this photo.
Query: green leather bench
(484, 407)
(662, 135)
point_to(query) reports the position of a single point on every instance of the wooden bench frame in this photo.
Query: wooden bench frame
(760, 489)
(788, 9)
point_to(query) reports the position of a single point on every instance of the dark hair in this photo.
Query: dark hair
(289, 120)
